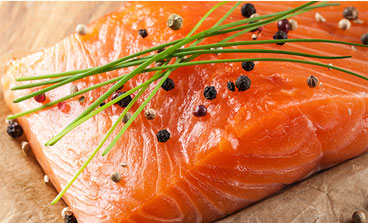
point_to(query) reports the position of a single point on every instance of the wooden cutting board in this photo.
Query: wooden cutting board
(331, 196)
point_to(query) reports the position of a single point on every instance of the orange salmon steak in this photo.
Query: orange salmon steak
(249, 145)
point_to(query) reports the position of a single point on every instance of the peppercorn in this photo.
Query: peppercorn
(283, 25)
(260, 29)
(81, 29)
(126, 117)
(344, 24)
(168, 84)
(64, 107)
(175, 21)
(14, 129)
(231, 86)
(73, 89)
(210, 92)
(200, 111)
(40, 98)
(25, 147)
(293, 24)
(102, 104)
(116, 177)
(46, 179)
(319, 17)
(123, 102)
(81, 99)
(254, 36)
(150, 114)
(248, 66)
(70, 219)
(364, 39)
(242, 83)
(143, 33)
(66, 211)
(358, 217)
(248, 9)
(312, 81)
(254, 15)
(163, 135)
(280, 35)
(350, 13)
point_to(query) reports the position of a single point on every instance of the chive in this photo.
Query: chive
(187, 51)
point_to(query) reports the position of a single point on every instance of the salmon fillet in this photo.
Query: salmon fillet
(249, 145)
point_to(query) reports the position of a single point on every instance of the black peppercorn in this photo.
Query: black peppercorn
(14, 129)
(312, 81)
(123, 102)
(364, 39)
(248, 66)
(143, 33)
(231, 86)
(210, 92)
(81, 99)
(200, 110)
(168, 84)
(163, 135)
(242, 83)
(280, 35)
(102, 104)
(248, 9)
(350, 13)
(70, 218)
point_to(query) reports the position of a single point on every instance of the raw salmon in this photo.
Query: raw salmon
(249, 145)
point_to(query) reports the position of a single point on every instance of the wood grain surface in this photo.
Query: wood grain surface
(331, 196)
